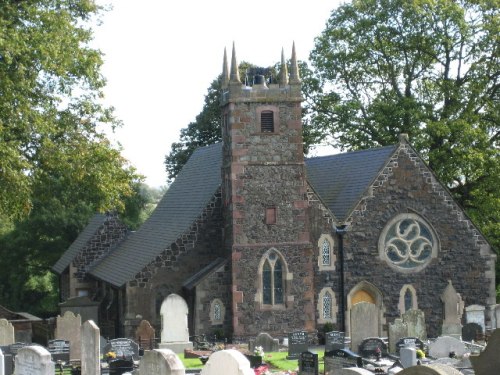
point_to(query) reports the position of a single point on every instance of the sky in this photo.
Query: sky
(160, 57)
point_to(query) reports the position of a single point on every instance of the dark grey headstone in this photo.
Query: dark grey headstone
(308, 363)
(338, 359)
(470, 331)
(59, 350)
(297, 343)
(370, 346)
(334, 340)
(409, 342)
(120, 366)
(123, 348)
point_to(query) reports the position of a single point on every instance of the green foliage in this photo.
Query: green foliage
(427, 68)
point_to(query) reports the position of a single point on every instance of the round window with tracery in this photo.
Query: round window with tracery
(408, 243)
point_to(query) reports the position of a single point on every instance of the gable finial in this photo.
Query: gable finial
(225, 71)
(294, 68)
(235, 73)
(283, 70)
(404, 138)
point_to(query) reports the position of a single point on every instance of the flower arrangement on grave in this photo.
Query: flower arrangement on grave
(110, 355)
(420, 354)
(259, 351)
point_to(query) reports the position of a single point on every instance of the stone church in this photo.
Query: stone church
(257, 238)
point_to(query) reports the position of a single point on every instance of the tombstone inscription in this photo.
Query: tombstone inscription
(297, 343)
(409, 342)
(338, 359)
(334, 340)
(371, 346)
(59, 350)
(308, 363)
(123, 348)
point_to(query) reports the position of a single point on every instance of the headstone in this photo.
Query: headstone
(90, 348)
(34, 360)
(145, 335)
(59, 350)
(267, 343)
(83, 306)
(229, 361)
(338, 359)
(488, 362)
(6, 332)
(161, 361)
(2, 363)
(397, 330)
(364, 323)
(308, 363)
(470, 331)
(174, 320)
(496, 313)
(408, 357)
(475, 314)
(120, 366)
(68, 327)
(14, 348)
(453, 307)
(369, 347)
(334, 340)
(297, 343)
(410, 342)
(432, 369)
(444, 345)
(415, 321)
(123, 348)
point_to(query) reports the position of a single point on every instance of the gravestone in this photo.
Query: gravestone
(2, 363)
(308, 363)
(297, 343)
(488, 362)
(34, 360)
(334, 340)
(444, 345)
(229, 361)
(415, 321)
(59, 350)
(338, 359)
(470, 331)
(410, 342)
(266, 341)
(161, 361)
(6, 332)
(364, 323)
(145, 335)
(174, 320)
(432, 369)
(120, 366)
(68, 327)
(453, 307)
(370, 346)
(496, 313)
(408, 357)
(14, 348)
(91, 364)
(123, 348)
(83, 306)
(475, 314)
(397, 330)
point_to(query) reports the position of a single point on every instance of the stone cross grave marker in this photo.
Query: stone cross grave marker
(91, 362)
(68, 327)
(6, 332)
(123, 348)
(145, 335)
(228, 361)
(266, 341)
(453, 307)
(161, 362)
(334, 340)
(308, 363)
(59, 350)
(34, 360)
(297, 343)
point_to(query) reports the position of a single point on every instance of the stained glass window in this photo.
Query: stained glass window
(325, 252)
(273, 292)
(217, 311)
(327, 306)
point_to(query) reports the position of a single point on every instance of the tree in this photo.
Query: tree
(428, 68)
(50, 90)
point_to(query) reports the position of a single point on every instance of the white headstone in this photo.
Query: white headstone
(475, 314)
(34, 360)
(2, 363)
(161, 362)
(174, 324)
(408, 357)
(6, 333)
(228, 361)
(444, 345)
(68, 327)
(364, 323)
(91, 362)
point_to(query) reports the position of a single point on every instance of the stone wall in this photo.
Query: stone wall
(406, 186)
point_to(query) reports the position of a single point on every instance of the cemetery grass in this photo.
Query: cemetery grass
(276, 361)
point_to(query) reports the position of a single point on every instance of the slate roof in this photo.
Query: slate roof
(86, 235)
(184, 201)
(340, 180)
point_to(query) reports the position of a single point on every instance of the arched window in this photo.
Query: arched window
(273, 274)
(325, 253)
(327, 307)
(326, 256)
(217, 311)
(408, 300)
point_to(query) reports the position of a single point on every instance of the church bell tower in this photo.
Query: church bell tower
(265, 204)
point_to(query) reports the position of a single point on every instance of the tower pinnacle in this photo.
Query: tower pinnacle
(294, 68)
(225, 71)
(283, 70)
(235, 73)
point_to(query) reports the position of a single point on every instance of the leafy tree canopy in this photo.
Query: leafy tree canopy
(428, 68)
